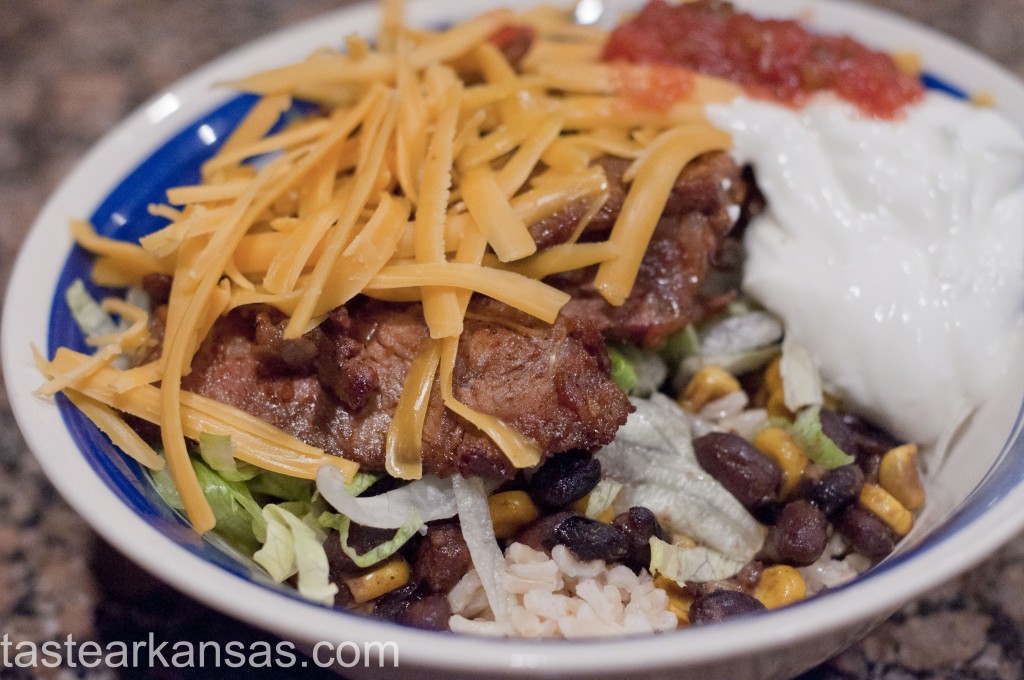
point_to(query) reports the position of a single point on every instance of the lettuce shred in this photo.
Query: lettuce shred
(379, 552)
(807, 432)
(87, 312)
(294, 546)
(696, 563)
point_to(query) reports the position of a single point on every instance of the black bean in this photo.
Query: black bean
(340, 565)
(363, 539)
(837, 488)
(748, 577)
(749, 475)
(869, 464)
(563, 479)
(391, 605)
(722, 604)
(808, 478)
(383, 485)
(696, 589)
(430, 613)
(833, 427)
(866, 533)
(588, 539)
(870, 440)
(768, 513)
(872, 443)
(637, 525)
(540, 535)
(799, 537)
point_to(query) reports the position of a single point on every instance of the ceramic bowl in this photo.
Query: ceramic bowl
(974, 494)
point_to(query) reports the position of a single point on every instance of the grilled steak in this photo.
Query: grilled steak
(337, 386)
(706, 202)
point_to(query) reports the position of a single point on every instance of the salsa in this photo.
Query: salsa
(773, 59)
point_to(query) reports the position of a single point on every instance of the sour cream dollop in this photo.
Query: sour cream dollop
(892, 250)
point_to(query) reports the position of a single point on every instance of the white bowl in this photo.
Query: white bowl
(974, 495)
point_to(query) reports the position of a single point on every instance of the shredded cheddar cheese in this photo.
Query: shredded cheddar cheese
(419, 179)
(405, 435)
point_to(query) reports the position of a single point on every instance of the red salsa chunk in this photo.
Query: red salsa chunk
(773, 59)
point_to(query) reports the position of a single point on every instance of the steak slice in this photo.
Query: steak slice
(707, 201)
(337, 387)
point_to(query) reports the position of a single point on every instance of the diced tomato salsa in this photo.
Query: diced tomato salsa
(656, 86)
(773, 59)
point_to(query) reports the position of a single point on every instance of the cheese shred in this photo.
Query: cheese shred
(420, 178)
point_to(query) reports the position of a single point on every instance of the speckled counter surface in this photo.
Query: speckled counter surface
(69, 70)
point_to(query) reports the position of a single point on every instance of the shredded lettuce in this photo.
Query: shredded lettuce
(651, 372)
(329, 520)
(808, 434)
(294, 546)
(681, 345)
(601, 497)
(232, 504)
(736, 364)
(742, 306)
(690, 564)
(736, 334)
(87, 312)
(478, 530)
(218, 452)
(380, 552)
(361, 482)
(652, 456)
(739, 344)
(430, 498)
(801, 382)
(623, 372)
(282, 487)
(165, 488)
(138, 297)
(638, 372)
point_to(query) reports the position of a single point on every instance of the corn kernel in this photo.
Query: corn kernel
(831, 401)
(773, 376)
(780, 585)
(898, 475)
(778, 445)
(679, 600)
(580, 507)
(709, 383)
(683, 541)
(606, 515)
(891, 511)
(776, 406)
(511, 511)
(385, 578)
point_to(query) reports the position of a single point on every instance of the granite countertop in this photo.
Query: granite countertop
(71, 70)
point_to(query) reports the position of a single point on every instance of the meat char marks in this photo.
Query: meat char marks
(337, 386)
(709, 198)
